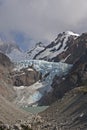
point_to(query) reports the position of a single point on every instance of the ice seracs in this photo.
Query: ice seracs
(32, 94)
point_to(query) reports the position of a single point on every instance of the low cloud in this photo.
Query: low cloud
(42, 20)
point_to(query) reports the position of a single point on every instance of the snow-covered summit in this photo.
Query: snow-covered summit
(58, 46)
(52, 52)
(71, 33)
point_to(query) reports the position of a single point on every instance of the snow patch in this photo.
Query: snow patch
(29, 69)
(71, 33)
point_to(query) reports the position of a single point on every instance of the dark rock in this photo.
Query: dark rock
(4, 60)
(25, 77)
(4, 127)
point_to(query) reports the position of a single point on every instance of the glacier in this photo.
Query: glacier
(32, 94)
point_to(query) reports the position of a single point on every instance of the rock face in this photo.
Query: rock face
(6, 89)
(25, 77)
(4, 60)
(67, 47)
(69, 91)
(76, 50)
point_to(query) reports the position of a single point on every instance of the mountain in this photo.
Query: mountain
(60, 83)
(56, 49)
(12, 50)
(50, 75)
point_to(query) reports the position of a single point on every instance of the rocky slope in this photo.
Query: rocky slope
(9, 113)
(69, 113)
(6, 89)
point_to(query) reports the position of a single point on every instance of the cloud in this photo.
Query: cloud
(42, 20)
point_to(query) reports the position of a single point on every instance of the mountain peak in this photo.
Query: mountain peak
(60, 45)
(71, 33)
(66, 34)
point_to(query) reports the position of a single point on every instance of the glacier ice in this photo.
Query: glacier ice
(48, 71)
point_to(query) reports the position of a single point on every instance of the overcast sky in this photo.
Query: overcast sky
(30, 21)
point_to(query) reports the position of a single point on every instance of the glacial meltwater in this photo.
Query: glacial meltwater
(36, 109)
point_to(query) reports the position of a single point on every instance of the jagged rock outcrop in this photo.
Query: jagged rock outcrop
(6, 89)
(5, 61)
(25, 77)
